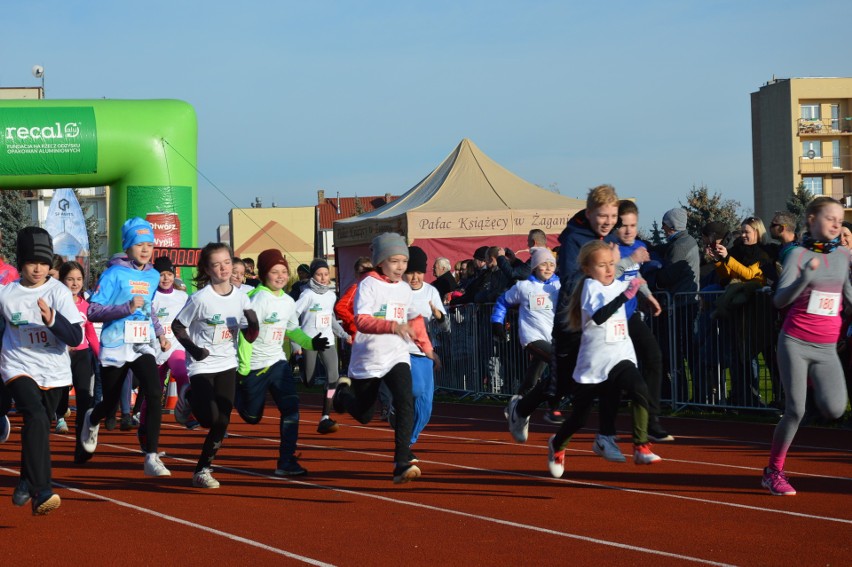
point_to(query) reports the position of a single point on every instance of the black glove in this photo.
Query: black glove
(319, 342)
(197, 353)
(498, 332)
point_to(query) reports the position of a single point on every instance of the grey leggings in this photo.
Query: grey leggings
(799, 361)
(329, 360)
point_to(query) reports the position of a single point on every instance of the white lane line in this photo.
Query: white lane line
(576, 482)
(214, 531)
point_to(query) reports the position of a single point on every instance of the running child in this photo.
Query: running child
(208, 327)
(606, 361)
(535, 299)
(426, 301)
(40, 323)
(315, 309)
(386, 322)
(130, 338)
(263, 364)
(814, 282)
(82, 373)
(167, 303)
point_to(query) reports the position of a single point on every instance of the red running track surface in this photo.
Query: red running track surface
(482, 500)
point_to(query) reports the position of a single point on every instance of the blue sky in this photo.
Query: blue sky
(367, 97)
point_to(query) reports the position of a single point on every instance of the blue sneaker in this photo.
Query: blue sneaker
(293, 468)
(5, 428)
(21, 495)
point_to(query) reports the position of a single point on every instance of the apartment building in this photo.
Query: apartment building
(801, 133)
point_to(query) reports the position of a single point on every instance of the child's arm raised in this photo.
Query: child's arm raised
(601, 315)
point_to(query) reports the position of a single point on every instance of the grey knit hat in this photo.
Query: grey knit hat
(675, 218)
(386, 245)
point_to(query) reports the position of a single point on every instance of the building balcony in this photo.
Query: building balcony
(831, 164)
(824, 127)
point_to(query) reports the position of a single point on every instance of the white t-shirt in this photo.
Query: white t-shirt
(29, 347)
(316, 314)
(276, 315)
(213, 322)
(602, 346)
(536, 301)
(166, 306)
(374, 355)
(420, 304)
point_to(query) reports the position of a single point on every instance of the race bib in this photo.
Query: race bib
(167, 331)
(323, 320)
(396, 312)
(540, 302)
(273, 334)
(222, 334)
(36, 336)
(824, 303)
(136, 332)
(616, 330)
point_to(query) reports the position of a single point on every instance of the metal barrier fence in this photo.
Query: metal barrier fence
(718, 351)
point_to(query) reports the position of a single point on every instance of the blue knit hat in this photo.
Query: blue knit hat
(136, 231)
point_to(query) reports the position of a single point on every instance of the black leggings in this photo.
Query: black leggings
(145, 370)
(623, 376)
(36, 406)
(212, 399)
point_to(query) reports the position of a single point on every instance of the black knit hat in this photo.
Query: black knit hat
(481, 254)
(163, 264)
(316, 265)
(34, 245)
(416, 260)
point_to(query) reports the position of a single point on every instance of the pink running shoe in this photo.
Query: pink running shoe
(777, 483)
(555, 459)
(642, 455)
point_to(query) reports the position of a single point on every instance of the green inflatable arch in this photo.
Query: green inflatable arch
(144, 151)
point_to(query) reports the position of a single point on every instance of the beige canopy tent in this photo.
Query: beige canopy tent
(468, 201)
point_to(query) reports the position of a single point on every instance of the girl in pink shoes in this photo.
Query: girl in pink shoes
(82, 373)
(813, 284)
(208, 328)
(606, 361)
(40, 322)
(386, 322)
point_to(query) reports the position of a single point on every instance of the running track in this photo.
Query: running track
(482, 500)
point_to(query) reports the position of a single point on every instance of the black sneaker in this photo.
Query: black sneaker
(555, 417)
(293, 468)
(21, 495)
(657, 434)
(327, 426)
(45, 503)
(110, 423)
(342, 389)
(5, 429)
(405, 473)
(126, 422)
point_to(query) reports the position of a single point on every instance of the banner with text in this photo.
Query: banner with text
(52, 140)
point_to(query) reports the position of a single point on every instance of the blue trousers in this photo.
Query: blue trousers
(251, 397)
(422, 390)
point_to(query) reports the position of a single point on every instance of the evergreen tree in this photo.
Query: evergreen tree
(657, 236)
(14, 215)
(702, 208)
(798, 202)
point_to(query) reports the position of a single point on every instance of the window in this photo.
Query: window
(809, 146)
(835, 117)
(835, 154)
(810, 111)
(813, 184)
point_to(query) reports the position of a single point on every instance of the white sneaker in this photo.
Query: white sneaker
(183, 410)
(154, 466)
(555, 459)
(89, 435)
(606, 447)
(518, 426)
(204, 479)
